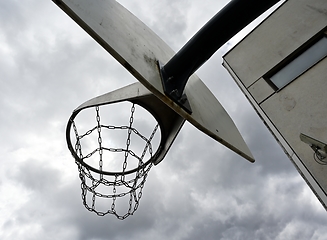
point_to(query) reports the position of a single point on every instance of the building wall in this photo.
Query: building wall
(299, 107)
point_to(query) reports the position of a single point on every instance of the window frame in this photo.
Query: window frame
(295, 55)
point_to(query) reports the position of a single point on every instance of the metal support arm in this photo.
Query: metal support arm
(236, 15)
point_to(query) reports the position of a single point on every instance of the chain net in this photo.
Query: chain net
(110, 192)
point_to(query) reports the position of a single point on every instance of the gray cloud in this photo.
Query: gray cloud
(201, 190)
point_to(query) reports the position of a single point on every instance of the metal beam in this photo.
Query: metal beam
(236, 15)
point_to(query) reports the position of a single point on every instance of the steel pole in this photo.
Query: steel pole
(236, 15)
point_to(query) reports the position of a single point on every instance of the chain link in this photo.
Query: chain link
(90, 181)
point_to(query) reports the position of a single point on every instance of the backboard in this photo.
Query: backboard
(140, 50)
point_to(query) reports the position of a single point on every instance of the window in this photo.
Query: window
(300, 63)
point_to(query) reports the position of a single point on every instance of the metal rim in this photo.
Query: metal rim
(84, 164)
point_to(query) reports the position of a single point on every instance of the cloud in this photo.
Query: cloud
(201, 190)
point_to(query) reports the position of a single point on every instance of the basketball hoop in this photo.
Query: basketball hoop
(172, 93)
(113, 159)
(100, 185)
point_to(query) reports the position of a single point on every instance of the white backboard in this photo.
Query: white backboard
(139, 49)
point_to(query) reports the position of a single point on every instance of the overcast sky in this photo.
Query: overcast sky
(202, 190)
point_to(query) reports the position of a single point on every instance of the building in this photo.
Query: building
(281, 67)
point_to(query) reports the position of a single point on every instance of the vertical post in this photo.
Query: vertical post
(223, 26)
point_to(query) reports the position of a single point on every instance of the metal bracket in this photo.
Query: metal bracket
(174, 89)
